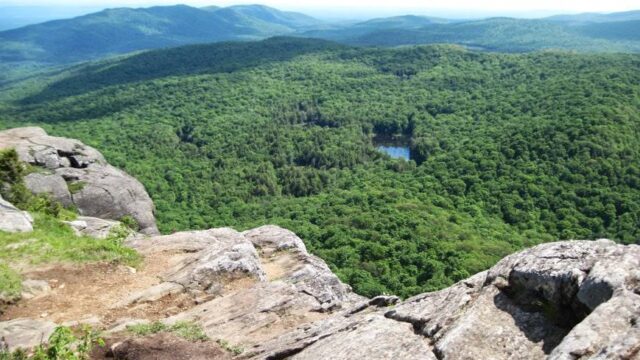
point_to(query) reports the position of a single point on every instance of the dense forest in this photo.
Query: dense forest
(507, 150)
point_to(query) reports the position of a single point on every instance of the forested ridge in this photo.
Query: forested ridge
(508, 150)
(118, 31)
(498, 34)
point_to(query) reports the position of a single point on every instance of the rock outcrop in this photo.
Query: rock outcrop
(567, 300)
(250, 286)
(76, 174)
(14, 220)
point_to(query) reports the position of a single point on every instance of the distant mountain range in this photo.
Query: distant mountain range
(12, 17)
(617, 32)
(124, 30)
(597, 18)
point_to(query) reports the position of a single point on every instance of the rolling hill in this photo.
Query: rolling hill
(494, 34)
(597, 17)
(123, 30)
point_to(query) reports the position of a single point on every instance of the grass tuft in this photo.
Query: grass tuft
(184, 329)
(76, 187)
(10, 283)
(234, 349)
(54, 241)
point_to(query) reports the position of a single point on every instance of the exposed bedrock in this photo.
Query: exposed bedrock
(76, 174)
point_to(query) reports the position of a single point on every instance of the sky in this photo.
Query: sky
(364, 8)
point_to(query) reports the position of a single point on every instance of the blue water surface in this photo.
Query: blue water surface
(396, 152)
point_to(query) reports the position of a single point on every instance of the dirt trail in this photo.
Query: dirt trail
(90, 290)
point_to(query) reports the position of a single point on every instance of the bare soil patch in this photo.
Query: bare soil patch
(80, 291)
(161, 346)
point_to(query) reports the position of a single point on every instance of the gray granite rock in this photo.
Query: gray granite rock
(226, 256)
(250, 295)
(275, 238)
(14, 220)
(308, 273)
(98, 189)
(35, 288)
(151, 294)
(50, 184)
(25, 333)
(93, 227)
(567, 300)
(370, 336)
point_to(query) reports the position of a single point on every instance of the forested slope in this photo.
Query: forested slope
(508, 150)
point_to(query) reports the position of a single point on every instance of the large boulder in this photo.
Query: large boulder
(76, 174)
(14, 220)
(567, 300)
(223, 255)
(52, 184)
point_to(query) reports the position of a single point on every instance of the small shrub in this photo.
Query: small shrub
(189, 331)
(118, 233)
(63, 344)
(12, 170)
(43, 204)
(130, 222)
(147, 329)
(12, 173)
(76, 186)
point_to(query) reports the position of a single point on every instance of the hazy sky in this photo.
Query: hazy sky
(497, 7)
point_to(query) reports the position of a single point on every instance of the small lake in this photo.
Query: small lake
(395, 146)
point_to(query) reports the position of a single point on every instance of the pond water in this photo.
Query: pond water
(396, 147)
